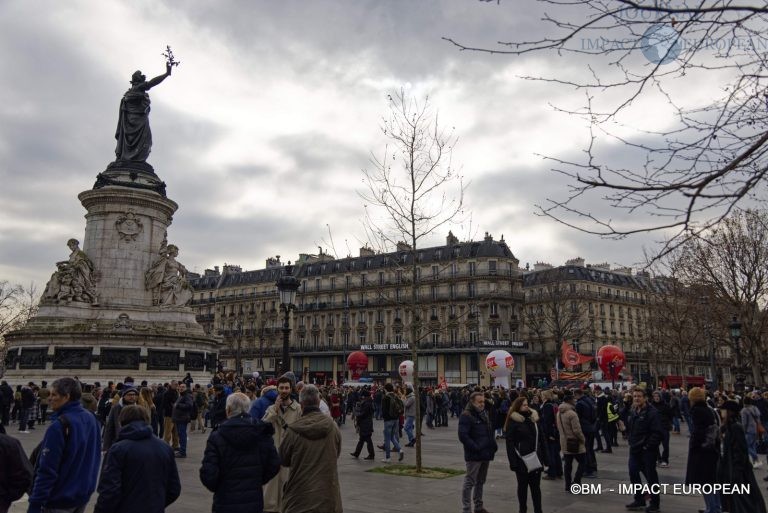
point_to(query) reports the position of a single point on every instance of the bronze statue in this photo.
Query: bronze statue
(134, 138)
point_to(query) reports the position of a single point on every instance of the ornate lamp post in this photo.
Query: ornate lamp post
(287, 285)
(735, 328)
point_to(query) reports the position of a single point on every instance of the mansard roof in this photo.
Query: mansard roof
(579, 273)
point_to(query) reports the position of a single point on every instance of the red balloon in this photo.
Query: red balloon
(357, 362)
(608, 355)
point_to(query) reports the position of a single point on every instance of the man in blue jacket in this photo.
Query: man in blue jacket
(476, 435)
(68, 464)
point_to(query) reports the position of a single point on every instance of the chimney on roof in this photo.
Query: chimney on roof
(273, 262)
(365, 251)
(232, 269)
(402, 246)
(605, 266)
(623, 270)
(451, 240)
(578, 262)
(488, 237)
(541, 266)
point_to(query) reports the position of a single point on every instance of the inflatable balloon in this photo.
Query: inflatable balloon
(255, 374)
(406, 372)
(357, 362)
(500, 365)
(611, 360)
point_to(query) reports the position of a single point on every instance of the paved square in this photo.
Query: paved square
(365, 492)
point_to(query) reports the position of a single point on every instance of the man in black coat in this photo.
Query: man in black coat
(476, 435)
(363, 414)
(6, 400)
(550, 437)
(139, 471)
(112, 429)
(645, 434)
(170, 397)
(586, 408)
(16, 473)
(665, 416)
(240, 457)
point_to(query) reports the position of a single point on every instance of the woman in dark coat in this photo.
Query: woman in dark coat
(364, 419)
(735, 466)
(523, 438)
(703, 451)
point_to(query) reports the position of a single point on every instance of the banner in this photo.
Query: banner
(576, 376)
(570, 357)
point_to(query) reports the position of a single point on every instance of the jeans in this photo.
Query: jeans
(554, 463)
(527, 480)
(609, 433)
(390, 436)
(377, 411)
(181, 427)
(408, 428)
(665, 446)
(752, 445)
(580, 459)
(474, 480)
(712, 503)
(676, 424)
(590, 460)
(644, 463)
(23, 419)
(43, 414)
(687, 417)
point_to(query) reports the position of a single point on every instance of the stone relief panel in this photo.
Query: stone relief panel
(74, 279)
(72, 358)
(128, 359)
(129, 226)
(194, 361)
(162, 360)
(11, 358)
(167, 279)
(33, 358)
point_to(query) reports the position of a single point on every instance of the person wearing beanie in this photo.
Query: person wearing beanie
(703, 447)
(128, 395)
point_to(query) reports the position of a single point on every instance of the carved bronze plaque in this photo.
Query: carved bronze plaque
(119, 359)
(72, 358)
(162, 360)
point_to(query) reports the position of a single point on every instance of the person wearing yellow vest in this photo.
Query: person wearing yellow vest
(611, 420)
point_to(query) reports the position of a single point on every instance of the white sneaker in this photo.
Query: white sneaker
(386, 460)
(757, 464)
(25, 432)
(664, 464)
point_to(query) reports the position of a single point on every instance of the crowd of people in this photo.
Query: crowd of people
(274, 445)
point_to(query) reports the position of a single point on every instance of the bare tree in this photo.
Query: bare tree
(702, 160)
(732, 261)
(17, 305)
(554, 314)
(415, 186)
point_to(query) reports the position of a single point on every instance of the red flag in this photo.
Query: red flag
(570, 357)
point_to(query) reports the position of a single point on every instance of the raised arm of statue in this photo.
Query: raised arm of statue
(154, 81)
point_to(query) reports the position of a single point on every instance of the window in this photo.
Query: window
(602, 325)
(613, 326)
(379, 316)
(379, 337)
(333, 283)
(329, 339)
(362, 280)
(452, 310)
(454, 269)
(471, 268)
(473, 336)
(398, 338)
(572, 287)
(433, 292)
(435, 338)
(346, 281)
(398, 294)
(381, 278)
(454, 336)
(491, 267)
(610, 310)
(494, 308)
(574, 307)
(361, 338)
(452, 291)
(303, 285)
(494, 333)
(435, 271)
(471, 289)
(602, 309)
(591, 309)
(317, 284)
(399, 277)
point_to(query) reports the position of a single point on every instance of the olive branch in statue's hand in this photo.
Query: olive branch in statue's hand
(170, 61)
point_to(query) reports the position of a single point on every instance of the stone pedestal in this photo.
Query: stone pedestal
(130, 329)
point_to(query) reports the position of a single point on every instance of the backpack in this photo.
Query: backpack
(357, 409)
(34, 458)
(396, 407)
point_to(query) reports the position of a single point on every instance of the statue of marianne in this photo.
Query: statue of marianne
(134, 138)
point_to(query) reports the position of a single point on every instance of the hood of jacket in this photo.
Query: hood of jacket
(270, 394)
(313, 425)
(566, 407)
(240, 432)
(136, 430)
(518, 417)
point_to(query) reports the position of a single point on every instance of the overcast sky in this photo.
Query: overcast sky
(262, 132)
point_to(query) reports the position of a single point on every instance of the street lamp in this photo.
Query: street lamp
(287, 285)
(239, 335)
(735, 328)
